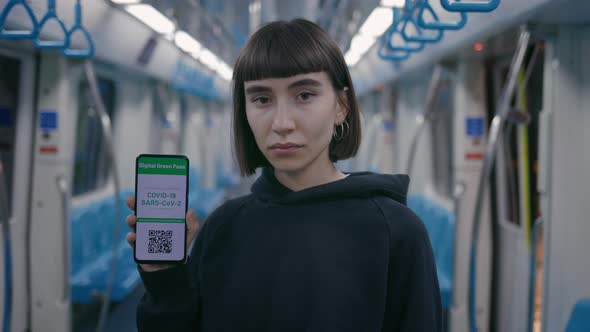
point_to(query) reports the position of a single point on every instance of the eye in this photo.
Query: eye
(305, 96)
(261, 100)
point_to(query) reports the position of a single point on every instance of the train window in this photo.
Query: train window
(91, 165)
(441, 128)
(9, 82)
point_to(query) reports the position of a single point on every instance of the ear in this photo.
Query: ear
(341, 106)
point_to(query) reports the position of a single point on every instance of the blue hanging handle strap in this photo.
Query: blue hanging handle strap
(385, 53)
(51, 44)
(396, 29)
(17, 34)
(425, 7)
(470, 5)
(77, 53)
(409, 20)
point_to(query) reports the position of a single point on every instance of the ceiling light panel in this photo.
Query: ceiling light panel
(378, 21)
(187, 43)
(152, 18)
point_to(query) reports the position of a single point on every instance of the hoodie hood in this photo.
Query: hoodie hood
(356, 185)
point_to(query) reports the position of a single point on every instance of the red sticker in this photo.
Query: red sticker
(48, 149)
(474, 156)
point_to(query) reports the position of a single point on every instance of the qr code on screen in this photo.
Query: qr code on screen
(160, 241)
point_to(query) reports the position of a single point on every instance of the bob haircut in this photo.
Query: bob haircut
(282, 49)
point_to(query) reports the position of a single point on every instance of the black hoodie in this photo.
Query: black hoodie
(342, 256)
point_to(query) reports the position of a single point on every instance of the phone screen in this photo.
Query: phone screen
(160, 206)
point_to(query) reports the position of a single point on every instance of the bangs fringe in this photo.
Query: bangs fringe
(277, 54)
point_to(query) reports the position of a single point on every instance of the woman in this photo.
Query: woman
(311, 248)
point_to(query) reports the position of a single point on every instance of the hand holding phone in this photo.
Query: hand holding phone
(192, 226)
(160, 223)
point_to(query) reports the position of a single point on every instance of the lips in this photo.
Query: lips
(284, 146)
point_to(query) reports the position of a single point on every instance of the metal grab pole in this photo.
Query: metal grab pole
(490, 154)
(5, 224)
(533, 272)
(108, 136)
(422, 118)
(62, 187)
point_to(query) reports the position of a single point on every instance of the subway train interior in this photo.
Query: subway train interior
(484, 103)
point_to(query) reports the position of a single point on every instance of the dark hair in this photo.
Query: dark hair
(283, 49)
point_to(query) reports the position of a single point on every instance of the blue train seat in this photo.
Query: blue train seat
(440, 223)
(580, 318)
(92, 229)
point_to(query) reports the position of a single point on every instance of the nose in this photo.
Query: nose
(283, 123)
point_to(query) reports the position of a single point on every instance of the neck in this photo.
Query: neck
(312, 175)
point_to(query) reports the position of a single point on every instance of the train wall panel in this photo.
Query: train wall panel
(469, 103)
(50, 272)
(567, 227)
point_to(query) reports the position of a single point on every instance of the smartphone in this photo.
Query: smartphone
(161, 195)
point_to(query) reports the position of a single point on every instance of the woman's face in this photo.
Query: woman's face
(293, 119)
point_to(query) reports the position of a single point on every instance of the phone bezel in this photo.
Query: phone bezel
(171, 156)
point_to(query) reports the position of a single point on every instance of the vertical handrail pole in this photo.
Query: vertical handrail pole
(423, 117)
(62, 187)
(110, 144)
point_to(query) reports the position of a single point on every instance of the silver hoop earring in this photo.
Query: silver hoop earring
(343, 132)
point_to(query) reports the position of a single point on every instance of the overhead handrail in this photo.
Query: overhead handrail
(386, 50)
(5, 224)
(424, 117)
(51, 44)
(418, 34)
(79, 53)
(490, 154)
(470, 5)
(107, 131)
(533, 272)
(396, 30)
(386, 53)
(424, 8)
(18, 34)
(62, 187)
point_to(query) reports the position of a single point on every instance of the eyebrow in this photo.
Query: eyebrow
(257, 89)
(303, 82)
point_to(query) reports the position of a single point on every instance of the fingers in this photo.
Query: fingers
(131, 239)
(131, 220)
(130, 201)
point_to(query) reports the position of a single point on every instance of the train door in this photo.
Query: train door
(515, 197)
(16, 127)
